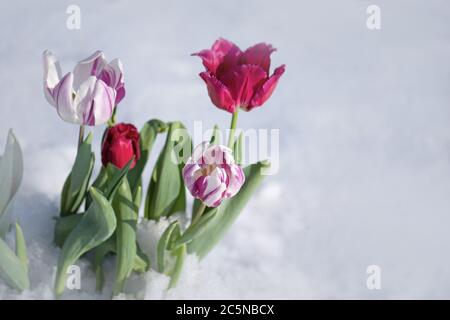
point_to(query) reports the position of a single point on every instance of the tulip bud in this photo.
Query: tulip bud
(212, 175)
(120, 145)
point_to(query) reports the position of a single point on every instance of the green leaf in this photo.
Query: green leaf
(237, 153)
(115, 176)
(228, 211)
(137, 197)
(64, 226)
(197, 229)
(107, 247)
(76, 185)
(96, 225)
(125, 235)
(21, 247)
(164, 244)
(13, 269)
(166, 194)
(141, 261)
(216, 137)
(148, 136)
(11, 172)
(99, 183)
(180, 256)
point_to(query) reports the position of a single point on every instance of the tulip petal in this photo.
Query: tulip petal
(191, 172)
(266, 90)
(219, 93)
(213, 187)
(91, 66)
(197, 154)
(83, 100)
(242, 81)
(258, 54)
(218, 154)
(103, 105)
(52, 75)
(63, 96)
(229, 61)
(236, 179)
(112, 75)
(94, 102)
(213, 57)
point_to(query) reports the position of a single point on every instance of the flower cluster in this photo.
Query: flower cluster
(212, 173)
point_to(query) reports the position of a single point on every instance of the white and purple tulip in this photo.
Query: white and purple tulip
(212, 175)
(89, 94)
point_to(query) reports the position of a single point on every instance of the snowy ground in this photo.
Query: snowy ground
(365, 139)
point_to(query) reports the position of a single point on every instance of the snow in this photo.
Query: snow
(364, 140)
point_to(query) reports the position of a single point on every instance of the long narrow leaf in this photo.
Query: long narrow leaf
(148, 136)
(11, 172)
(126, 215)
(164, 243)
(76, 185)
(21, 247)
(166, 194)
(197, 229)
(12, 269)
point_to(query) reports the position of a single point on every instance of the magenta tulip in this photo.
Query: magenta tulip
(237, 79)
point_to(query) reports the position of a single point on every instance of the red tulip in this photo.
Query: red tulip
(238, 79)
(121, 144)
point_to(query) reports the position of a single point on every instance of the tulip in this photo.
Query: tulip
(212, 175)
(237, 79)
(121, 144)
(89, 94)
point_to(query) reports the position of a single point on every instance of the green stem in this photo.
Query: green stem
(81, 136)
(112, 121)
(180, 255)
(233, 129)
(198, 214)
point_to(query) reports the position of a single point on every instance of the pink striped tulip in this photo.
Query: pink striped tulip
(212, 175)
(89, 94)
(239, 79)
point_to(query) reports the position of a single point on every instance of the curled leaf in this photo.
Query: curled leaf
(95, 226)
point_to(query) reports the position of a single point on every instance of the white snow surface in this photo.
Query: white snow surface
(364, 140)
